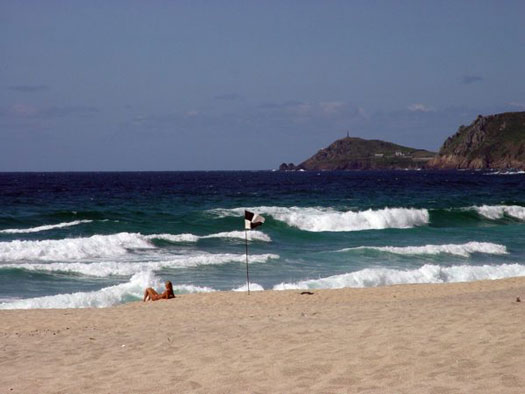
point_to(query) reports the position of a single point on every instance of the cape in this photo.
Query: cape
(492, 142)
(352, 153)
(489, 142)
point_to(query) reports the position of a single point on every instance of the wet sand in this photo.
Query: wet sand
(447, 338)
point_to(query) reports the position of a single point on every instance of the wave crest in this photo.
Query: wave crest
(73, 248)
(253, 287)
(123, 268)
(463, 250)
(317, 219)
(132, 290)
(43, 228)
(101, 246)
(495, 212)
(252, 236)
(429, 273)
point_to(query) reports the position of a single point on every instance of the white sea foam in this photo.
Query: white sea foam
(102, 298)
(494, 212)
(507, 172)
(464, 250)
(175, 237)
(252, 236)
(43, 228)
(108, 296)
(370, 277)
(188, 289)
(373, 277)
(125, 268)
(73, 248)
(100, 246)
(8, 299)
(253, 287)
(318, 219)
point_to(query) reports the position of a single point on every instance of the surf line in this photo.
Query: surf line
(251, 221)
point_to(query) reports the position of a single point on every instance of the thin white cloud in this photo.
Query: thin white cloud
(301, 109)
(518, 105)
(331, 107)
(418, 107)
(362, 113)
(23, 110)
(28, 88)
(68, 110)
(228, 97)
(468, 79)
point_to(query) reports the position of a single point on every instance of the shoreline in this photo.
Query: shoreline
(439, 338)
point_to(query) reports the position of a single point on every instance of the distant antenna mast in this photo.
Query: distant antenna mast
(347, 134)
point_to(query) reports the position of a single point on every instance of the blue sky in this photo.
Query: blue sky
(213, 85)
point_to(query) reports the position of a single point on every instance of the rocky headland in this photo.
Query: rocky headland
(352, 153)
(490, 142)
(494, 141)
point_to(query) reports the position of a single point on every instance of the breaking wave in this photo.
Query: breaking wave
(101, 246)
(373, 277)
(494, 212)
(252, 236)
(506, 172)
(317, 219)
(253, 287)
(43, 228)
(73, 248)
(108, 296)
(463, 250)
(122, 268)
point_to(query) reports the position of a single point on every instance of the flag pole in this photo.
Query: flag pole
(247, 272)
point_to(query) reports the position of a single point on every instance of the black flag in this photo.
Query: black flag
(251, 220)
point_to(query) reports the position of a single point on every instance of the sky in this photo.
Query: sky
(245, 85)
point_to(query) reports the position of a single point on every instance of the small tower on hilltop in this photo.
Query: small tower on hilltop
(348, 134)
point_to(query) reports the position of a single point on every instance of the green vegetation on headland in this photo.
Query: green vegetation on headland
(359, 154)
(495, 141)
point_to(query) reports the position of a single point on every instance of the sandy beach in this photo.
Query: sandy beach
(446, 338)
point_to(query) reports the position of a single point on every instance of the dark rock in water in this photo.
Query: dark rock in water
(287, 167)
(494, 141)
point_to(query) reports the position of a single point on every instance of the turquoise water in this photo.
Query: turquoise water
(98, 239)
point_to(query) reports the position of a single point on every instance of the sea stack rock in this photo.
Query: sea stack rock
(287, 167)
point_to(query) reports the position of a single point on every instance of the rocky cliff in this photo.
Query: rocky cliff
(360, 154)
(495, 141)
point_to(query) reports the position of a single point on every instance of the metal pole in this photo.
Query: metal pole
(247, 273)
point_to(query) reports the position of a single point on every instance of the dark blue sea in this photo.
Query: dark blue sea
(71, 240)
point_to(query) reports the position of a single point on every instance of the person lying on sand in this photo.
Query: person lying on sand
(151, 294)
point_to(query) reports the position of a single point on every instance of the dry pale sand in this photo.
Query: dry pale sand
(452, 338)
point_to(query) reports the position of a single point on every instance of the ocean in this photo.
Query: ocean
(74, 240)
